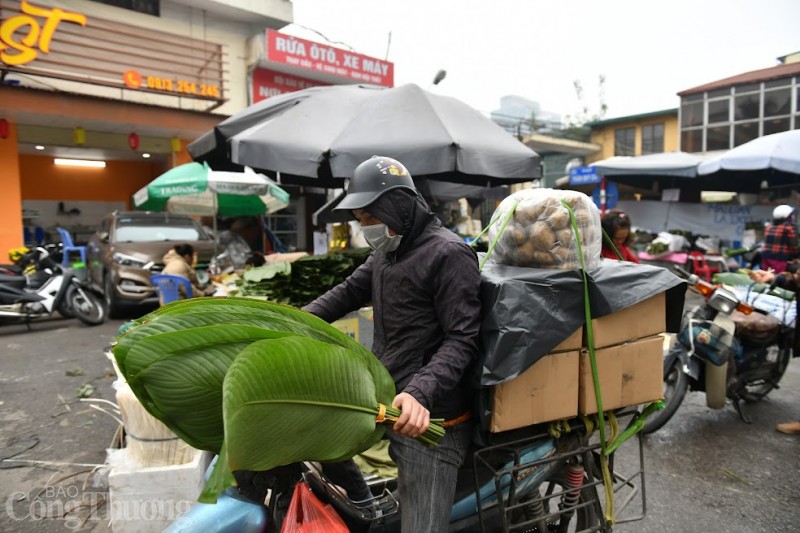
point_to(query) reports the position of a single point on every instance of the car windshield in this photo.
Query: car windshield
(143, 230)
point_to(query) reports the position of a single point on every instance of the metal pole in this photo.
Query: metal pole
(602, 196)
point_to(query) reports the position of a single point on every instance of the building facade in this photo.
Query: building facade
(647, 133)
(723, 114)
(122, 85)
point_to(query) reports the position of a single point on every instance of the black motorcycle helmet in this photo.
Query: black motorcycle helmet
(372, 179)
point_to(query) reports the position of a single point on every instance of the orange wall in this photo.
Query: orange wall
(10, 204)
(41, 179)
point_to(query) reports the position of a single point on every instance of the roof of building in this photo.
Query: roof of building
(633, 118)
(547, 144)
(787, 58)
(764, 74)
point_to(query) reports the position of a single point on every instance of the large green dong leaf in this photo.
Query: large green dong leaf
(309, 400)
(184, 314)
(178, 375)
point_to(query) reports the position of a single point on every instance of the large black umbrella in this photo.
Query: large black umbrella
(318, 136)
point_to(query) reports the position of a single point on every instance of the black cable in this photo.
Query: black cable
(11, 442)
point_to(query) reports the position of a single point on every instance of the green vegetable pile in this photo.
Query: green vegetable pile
(302, 281)
(259, 383)
(656, 248)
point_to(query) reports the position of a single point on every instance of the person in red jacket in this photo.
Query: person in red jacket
(617, 225)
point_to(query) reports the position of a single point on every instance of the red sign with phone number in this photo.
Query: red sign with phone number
(313, 56)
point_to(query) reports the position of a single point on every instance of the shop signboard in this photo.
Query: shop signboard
(583, 176)
(29, 33)
(302, 55)
(66, 44)
(267, 83)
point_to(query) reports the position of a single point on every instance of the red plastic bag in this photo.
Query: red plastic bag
(307, 514)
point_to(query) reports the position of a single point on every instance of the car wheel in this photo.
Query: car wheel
(112, 300)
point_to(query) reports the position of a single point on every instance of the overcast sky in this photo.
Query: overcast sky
(647, 50)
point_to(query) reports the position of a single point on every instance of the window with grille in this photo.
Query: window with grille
(724, 118)
(653, 138)
(625, 141)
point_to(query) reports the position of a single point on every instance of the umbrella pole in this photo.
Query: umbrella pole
(214, 223)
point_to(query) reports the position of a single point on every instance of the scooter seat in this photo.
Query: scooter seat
(16, 282)
(10, 295)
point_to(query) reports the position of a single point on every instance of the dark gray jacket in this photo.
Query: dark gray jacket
(426, 306)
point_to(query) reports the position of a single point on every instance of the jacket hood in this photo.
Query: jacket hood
(405, 212)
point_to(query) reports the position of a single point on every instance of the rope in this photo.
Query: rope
(381, 413)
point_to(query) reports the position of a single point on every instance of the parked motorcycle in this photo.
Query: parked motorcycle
(524, 480)
(727, 349)
(61, 291)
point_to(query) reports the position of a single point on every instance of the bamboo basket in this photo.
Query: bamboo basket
(148, 441)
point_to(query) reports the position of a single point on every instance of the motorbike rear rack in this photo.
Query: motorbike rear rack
(515, 510)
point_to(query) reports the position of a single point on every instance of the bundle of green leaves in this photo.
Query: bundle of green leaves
(259, 383)
(300, 282)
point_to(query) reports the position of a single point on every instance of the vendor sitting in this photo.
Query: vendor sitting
(179, 262)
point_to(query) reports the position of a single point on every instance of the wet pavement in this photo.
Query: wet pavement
(51, 441)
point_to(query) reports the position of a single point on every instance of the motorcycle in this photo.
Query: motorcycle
(521, 480)
(61, 291)
(726, 348)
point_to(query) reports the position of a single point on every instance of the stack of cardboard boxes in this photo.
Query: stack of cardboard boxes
(629, 355)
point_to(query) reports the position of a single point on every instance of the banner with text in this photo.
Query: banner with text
(268, 83)
(313, 56)
(726, 221)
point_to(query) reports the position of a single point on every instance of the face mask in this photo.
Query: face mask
(378, 238)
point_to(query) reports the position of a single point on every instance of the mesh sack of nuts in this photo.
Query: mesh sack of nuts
(538, 233)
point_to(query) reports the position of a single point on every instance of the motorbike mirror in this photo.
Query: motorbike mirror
(685, 274)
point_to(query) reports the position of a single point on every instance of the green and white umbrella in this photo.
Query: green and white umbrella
(195, 189)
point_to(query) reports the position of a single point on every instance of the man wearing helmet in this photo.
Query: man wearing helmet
(423, 282)
(780, 240)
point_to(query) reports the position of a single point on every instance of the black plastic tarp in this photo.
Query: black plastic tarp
(530, 311)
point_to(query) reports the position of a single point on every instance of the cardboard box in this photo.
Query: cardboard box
(639, 321)
(629, 373)
(571, 343)
(547, 391)
(358, 325)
